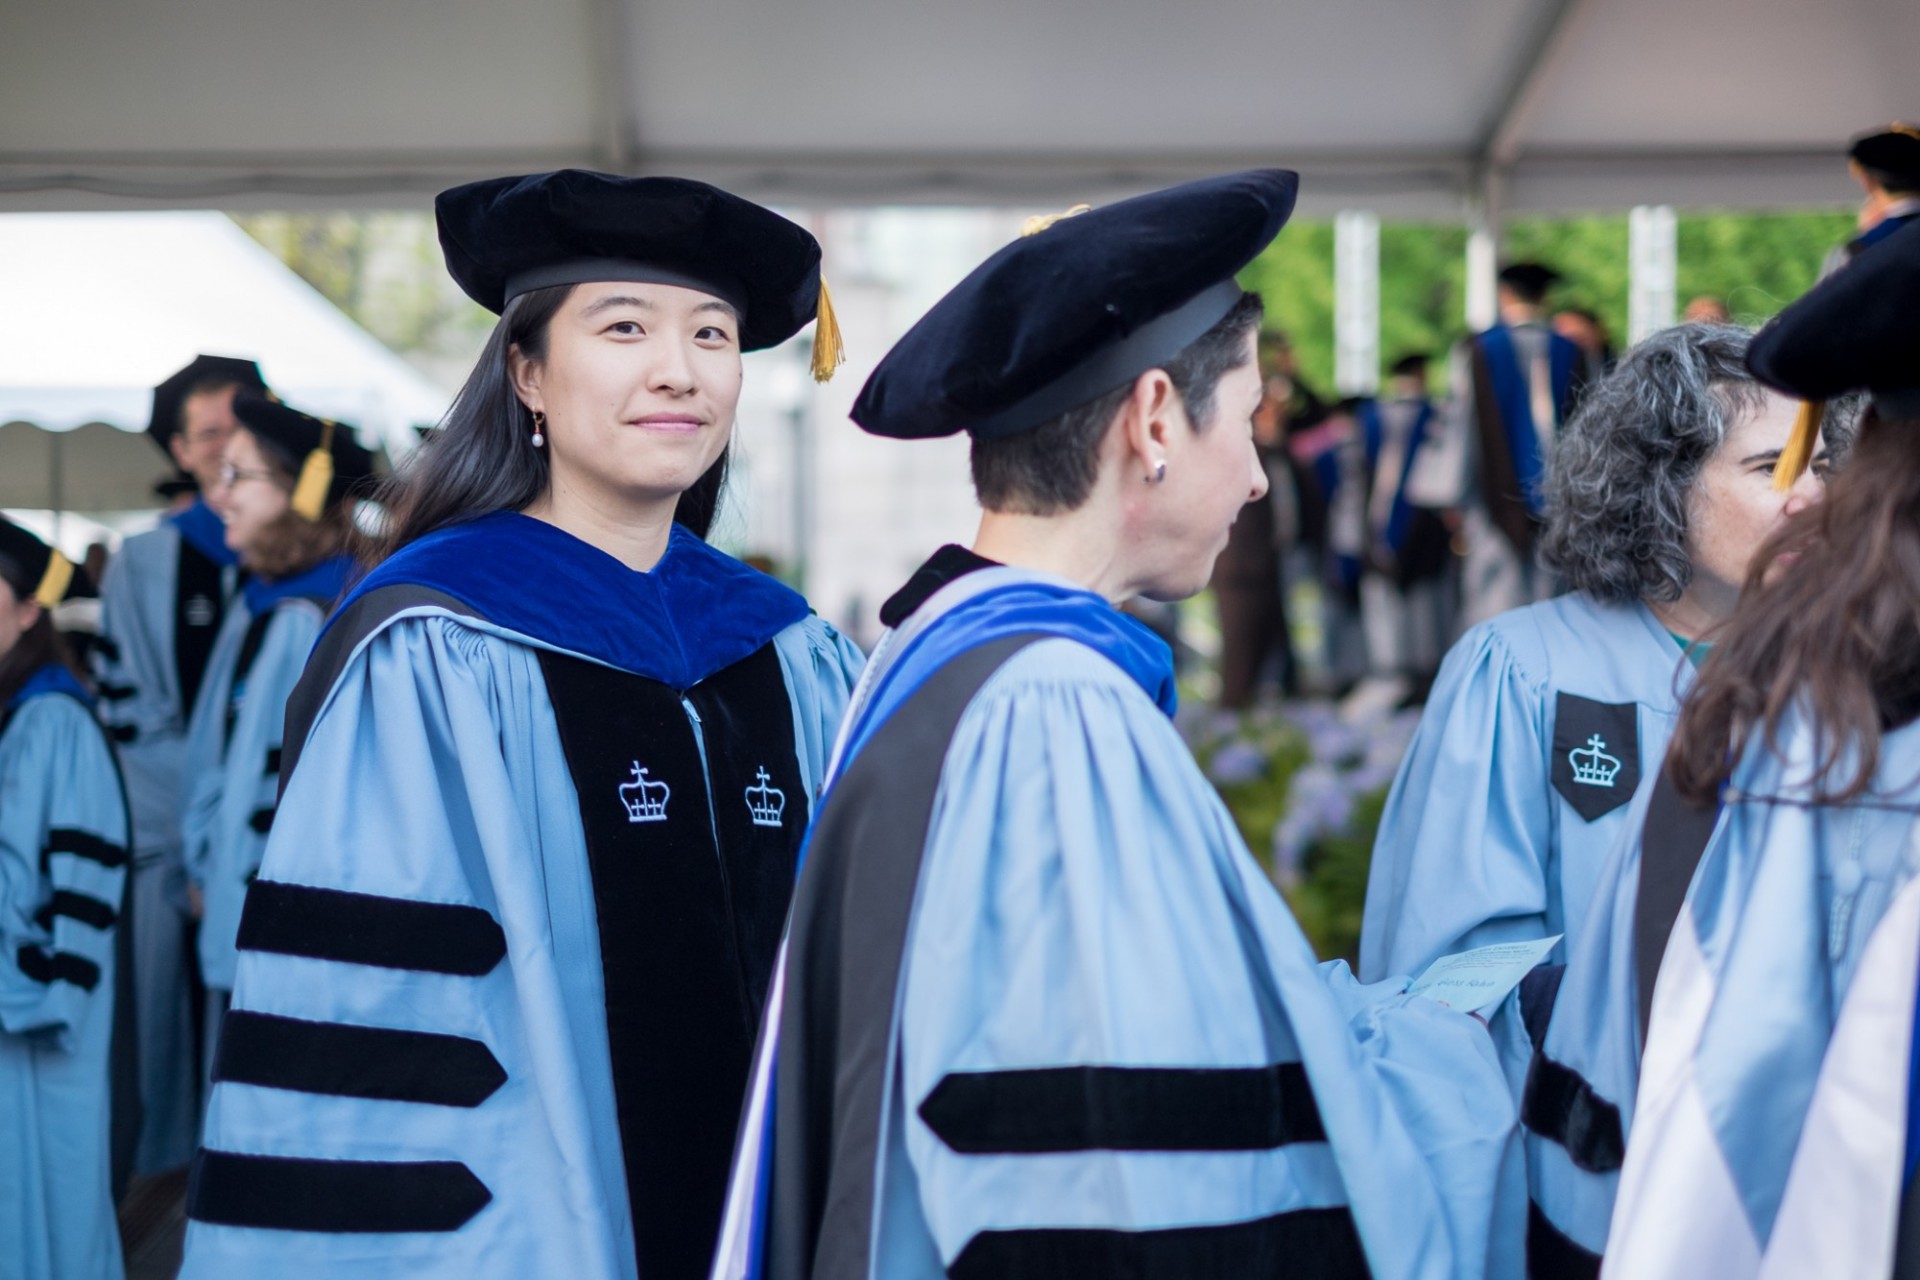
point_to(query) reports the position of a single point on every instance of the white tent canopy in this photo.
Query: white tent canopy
(100, 307)
(1405, 106)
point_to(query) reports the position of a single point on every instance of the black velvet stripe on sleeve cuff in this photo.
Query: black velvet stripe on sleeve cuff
(76, 906)
(1318, 1243)
(59, 966)
(1551, 1255)
(82, 844)
(336, 1196)
(356, 1062)
(1054, 1109)
(1560, 1106)
(364, 928)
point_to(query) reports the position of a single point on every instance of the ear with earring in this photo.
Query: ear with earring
(539, 428)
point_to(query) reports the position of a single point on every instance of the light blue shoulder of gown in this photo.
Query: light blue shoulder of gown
(821, 667)
(243, 784)
(61, 807)
(1086, 901)
(434, 773)
(1475, 846)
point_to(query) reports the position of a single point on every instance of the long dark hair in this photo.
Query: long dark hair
(479, 460)
(1837, 633)
(39, 644)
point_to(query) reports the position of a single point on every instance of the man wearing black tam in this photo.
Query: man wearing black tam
(163, 600)
(1886, 164)
(1513, 385)
(1042, 1013)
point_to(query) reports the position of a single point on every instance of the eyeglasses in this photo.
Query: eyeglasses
(231, 475)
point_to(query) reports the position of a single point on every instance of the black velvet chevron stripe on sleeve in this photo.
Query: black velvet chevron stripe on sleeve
(364, 928)
(58, 966)
(1552, 1255)
(261, 820)
(356, 1062)
(273, 762)
(81, 844)
(1560, 1106)
(1053, 1109)
(76, 906)
(1312, 1244)
(360, 1196)
(115, 692)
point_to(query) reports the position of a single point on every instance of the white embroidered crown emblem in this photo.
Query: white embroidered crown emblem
(644, 798)
(1593, 767)
(765, 801)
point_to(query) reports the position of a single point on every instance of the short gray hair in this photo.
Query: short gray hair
(1050, 469)
(1626, 463)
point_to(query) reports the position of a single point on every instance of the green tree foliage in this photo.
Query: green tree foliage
(1756, 263)
(384, 270)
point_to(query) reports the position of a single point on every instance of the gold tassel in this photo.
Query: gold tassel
(55, 581)
(316, 479)
(829, 353)
(1800, 445)
(1041, 221)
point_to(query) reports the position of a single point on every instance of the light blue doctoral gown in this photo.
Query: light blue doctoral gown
(233, 767)
(1086, 899)
(1477, 845)
(434, 773)
(145, 711)
(63, 838)
(1785, 900)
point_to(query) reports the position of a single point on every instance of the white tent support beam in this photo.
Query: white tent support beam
(1356, 302)
(1545, 48)
(1652, 270)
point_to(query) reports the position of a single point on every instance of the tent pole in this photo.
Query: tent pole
(1356, 302)
(1486, 228)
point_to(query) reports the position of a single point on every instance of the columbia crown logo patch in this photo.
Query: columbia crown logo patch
(1596, 753)
(645, 799)
(765, 802)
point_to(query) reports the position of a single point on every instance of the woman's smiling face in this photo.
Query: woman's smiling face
(638, 387)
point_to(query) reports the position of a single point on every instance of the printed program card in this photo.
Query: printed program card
(1477, 980)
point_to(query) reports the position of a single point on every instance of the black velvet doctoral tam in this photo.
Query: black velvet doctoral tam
(1069, 312)
(169, 397)
(291, 435)
(507, 236)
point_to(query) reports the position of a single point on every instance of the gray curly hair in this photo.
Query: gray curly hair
(1624, 468)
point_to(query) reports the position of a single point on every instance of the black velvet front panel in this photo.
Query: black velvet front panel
(690, 894)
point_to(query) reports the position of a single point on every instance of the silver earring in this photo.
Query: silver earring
(1159, 473)
(540, 426)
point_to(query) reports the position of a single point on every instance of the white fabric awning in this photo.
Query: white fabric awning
(1409, 107)
(97, 308)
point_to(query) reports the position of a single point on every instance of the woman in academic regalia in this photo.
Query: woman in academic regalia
(543, 788)
(285, 492)
(1544, 721)
(63, 867)
(1774, 890)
